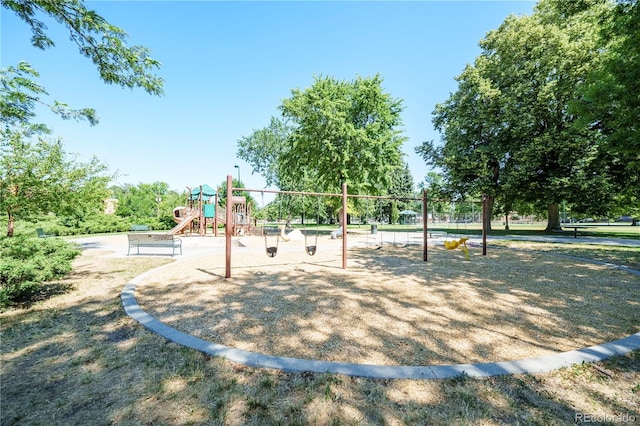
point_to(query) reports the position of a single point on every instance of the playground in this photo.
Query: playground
(300, 295)
(390, 308)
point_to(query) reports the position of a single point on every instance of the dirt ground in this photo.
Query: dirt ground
(391, 308)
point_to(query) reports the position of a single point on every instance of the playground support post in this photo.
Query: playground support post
(227, 228)
(484, 224)
(425, 224)
(344, 226)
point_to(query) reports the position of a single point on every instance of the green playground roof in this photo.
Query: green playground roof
(207, 192)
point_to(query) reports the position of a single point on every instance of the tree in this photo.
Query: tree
(343, 132)
(541, 63)
(264, 148)
(38, 177)
(97, 39)
(508, 130)
(19, 94)
(474, 155)
(103, 43)
(609, 101)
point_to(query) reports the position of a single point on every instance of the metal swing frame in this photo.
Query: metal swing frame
(344, 195)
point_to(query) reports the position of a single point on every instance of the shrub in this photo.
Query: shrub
(26, 262)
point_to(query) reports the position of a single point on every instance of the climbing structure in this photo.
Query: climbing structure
(200, 211)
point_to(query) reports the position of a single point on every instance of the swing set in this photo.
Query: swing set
(461, 242)
(272, 250)
(311, 249)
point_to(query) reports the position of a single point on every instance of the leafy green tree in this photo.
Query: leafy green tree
(141, 201)
(543, 61)
(19, 95)
(264, 148)
(508, 131)
(148, 203)
(474, 155)
(37, 177)
(345, 132)
(610, 103)
(103, 43)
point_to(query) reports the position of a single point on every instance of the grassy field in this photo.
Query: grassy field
(76, 358)
(613, 230)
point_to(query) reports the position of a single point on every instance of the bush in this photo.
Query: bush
(27, 262)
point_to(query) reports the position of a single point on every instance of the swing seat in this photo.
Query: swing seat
(461, 243)
(272, 251)
(452, 245)
(310, 244)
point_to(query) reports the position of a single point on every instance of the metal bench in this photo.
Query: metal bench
(154, 240)
(140, 228)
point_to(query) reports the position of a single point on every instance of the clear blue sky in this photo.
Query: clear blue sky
(228, 65)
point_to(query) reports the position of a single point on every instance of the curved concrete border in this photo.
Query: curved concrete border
(253, 359)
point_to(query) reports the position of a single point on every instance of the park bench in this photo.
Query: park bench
(437, 234)
(575, 229)
(154, 240)
(41, 233)
(136, 228)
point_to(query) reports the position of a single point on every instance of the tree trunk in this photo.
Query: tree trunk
(553, 220)
(10, 225)
(506, 222)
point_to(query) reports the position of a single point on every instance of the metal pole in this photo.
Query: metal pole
(227, 228)
(215, 215)
(484, 225)
(203, 227)
(425, 225)
(344, 226)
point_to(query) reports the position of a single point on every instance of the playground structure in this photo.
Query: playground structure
(272, 250)
(202, 210)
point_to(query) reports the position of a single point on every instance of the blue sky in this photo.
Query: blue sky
(228, 65)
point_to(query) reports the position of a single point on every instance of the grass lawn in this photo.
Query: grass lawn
(76, 358)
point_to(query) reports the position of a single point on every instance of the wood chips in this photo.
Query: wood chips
(391, 308)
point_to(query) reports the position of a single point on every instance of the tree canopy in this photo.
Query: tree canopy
(36, 174)
(39, 177)
(103, 43)
(331, 133)
(510, 130)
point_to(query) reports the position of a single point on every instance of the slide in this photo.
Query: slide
(183, 223)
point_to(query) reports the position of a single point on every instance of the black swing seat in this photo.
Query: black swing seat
(310, 249)
(272, 251)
